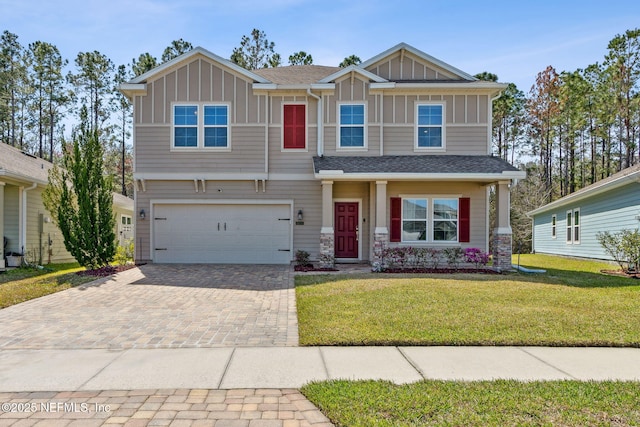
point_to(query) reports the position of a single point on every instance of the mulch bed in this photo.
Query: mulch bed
(309, 267)
(106, 271)
(620, 273)
(442, 270)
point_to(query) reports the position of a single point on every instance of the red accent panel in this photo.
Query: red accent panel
(294, 124)
(346, 230)
(464, 221)
(396, 219)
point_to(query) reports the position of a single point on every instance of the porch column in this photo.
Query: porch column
(502, 231)
(327, 247)
(381, 233)
(2, 266)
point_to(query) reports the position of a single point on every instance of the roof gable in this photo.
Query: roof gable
(422, 57)
(188, 56)
(353, 69)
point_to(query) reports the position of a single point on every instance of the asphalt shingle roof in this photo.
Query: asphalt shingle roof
(431, 164)
(296, 74)
(14, 161)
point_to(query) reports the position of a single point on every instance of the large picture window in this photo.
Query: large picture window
(200, 126)
(352, 134)
(430, 126)
(434, 220)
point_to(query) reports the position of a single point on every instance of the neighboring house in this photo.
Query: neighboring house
(237, 166)
(569, 225)
(24, 222)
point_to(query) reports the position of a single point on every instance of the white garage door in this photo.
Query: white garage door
(226, 234)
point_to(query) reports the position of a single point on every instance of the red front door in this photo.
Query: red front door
(346, 229)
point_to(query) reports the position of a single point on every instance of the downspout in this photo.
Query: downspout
(23, 219)
(320, 142)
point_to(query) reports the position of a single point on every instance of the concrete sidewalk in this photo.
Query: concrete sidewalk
(291, 367)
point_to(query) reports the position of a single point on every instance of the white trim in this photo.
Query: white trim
(200, 126)
(443, 125)
(223, 176)
(425, 57)
(167, 66)
(356, 69)
(239, 202)
(306, 127)
(365, 132)
(430, 217)
(350, 200)
(568, 220)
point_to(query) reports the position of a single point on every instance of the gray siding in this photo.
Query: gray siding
(612, 211)
(12, 217)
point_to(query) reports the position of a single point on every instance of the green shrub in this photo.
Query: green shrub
(623, 246)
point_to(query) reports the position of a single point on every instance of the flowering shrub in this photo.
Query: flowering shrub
(453, 255)
(476, 256)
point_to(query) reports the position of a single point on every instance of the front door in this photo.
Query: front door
(346, 230)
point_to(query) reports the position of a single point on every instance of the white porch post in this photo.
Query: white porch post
(502, 231)
(381, 233)
(327, 248)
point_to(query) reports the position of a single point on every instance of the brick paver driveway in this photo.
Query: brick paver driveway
(162, 306)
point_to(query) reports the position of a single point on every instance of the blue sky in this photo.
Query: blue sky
(514, 39)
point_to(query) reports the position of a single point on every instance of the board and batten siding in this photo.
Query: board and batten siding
(406, 66)
(612, 211)
(306, 195)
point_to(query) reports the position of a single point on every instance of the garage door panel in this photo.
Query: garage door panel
(222, 234)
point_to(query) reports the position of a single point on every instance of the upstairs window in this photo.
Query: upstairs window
(352, 133)
(294, 127)
(429, 126)
(185, 126)
(200, 126)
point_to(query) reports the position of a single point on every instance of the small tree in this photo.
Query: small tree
(80, 197)
(623, 247)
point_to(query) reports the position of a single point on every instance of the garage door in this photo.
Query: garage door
(226, 234)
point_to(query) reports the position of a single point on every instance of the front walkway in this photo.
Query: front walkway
(161, 306)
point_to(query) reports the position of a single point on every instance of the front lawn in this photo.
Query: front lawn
(23, 284)
(571, 305)
(486, 403)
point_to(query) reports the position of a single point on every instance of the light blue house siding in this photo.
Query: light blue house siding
(613, 210)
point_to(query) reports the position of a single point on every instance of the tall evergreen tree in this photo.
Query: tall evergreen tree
(122, 108)
(175, 49)
(300, 58)
(12, 77)
(255, 52)
(144, 63)
(84, 211)
(350, 60)
(93, 83)
(50, 92)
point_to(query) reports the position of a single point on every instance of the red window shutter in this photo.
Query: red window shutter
(294, 124)
(396, 219)
(464, 214)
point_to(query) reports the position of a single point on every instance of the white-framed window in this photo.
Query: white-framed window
(430, 126)
(352, 133)
(429, 219)
(554, 222)
(196, 126)
(573, 226)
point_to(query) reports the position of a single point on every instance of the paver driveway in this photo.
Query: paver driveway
(162, 306)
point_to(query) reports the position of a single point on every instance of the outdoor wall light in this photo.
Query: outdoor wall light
(300, 215)
(143, 215)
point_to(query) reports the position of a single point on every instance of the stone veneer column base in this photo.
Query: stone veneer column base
(502, 251)
(327, 250)
(380, 243)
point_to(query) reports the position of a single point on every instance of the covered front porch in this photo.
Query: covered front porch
(364, 212)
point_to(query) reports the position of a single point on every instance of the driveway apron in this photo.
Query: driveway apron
(161, 306)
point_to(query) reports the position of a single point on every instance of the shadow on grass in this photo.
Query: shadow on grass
(572, 278)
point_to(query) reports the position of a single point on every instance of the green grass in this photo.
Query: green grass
(573, 304)
(486, 403)
(23, 284)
